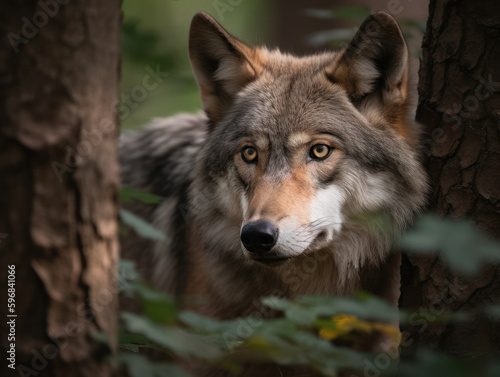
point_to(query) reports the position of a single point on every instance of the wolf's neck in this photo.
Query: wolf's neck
(235, 284)
(318, 274)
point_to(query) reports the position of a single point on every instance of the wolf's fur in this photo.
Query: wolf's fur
(336, 217)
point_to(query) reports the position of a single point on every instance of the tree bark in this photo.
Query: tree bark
(59, 183)
(459, 106)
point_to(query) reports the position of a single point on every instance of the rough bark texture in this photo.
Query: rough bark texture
(59, 181)
(459, 107)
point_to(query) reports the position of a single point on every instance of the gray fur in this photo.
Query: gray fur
(158, 160)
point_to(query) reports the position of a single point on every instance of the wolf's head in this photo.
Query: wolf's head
(305, 153)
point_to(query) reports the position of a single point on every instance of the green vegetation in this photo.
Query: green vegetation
(155, 34)
(356, 13)
(310, 328)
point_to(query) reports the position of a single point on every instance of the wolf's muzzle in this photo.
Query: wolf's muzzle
(259, 236)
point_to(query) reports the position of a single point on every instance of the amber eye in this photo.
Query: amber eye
(249, 155)
(320, 151)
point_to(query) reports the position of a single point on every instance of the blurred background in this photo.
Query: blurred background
(155, 37)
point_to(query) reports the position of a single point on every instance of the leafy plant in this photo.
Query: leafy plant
(310, 330)
(127, 195)
(356, 13)
(142, 46)
(459, 243)
(142, 227)
(292, 339)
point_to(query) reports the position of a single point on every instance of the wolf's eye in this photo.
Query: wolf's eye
(249, 155)
(320, 151)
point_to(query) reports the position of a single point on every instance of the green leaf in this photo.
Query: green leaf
(157, 306)
(148, 293)
(142, 228)
(291, 340)
(127, 270)
(127, 195)
(101, 337)
(230, 334)
(128, 277)
(300, 347)
(434, 364)
(354, 12)
(493, 369)
(460, 244)
(140, 366)
(207, 324)
(493, 311)
(132, 338)
(144, 46)
(305, 310)
(171, 338)
(336, 36)
(130, 347)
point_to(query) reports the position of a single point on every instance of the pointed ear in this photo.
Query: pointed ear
(222, 64)
(375, 62)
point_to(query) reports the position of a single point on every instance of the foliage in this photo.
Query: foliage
(461, 245)
(289, 340)
(356, 13)
(143, 228)
(143, 46)
(310, 328)
(433, 364)
(141, 366)
(302, 337)
(155, 34)
(128, 195)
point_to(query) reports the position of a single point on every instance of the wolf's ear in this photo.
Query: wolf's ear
(376, 61)
(222, 64)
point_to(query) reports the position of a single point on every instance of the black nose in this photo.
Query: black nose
(259, 236)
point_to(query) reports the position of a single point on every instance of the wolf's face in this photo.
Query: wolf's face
(304, 149)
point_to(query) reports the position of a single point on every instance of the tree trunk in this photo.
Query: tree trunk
(59, 184)
(459, 107)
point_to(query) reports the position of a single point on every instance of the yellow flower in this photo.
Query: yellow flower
(344, 324)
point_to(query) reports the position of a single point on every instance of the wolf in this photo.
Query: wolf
(295, 179)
